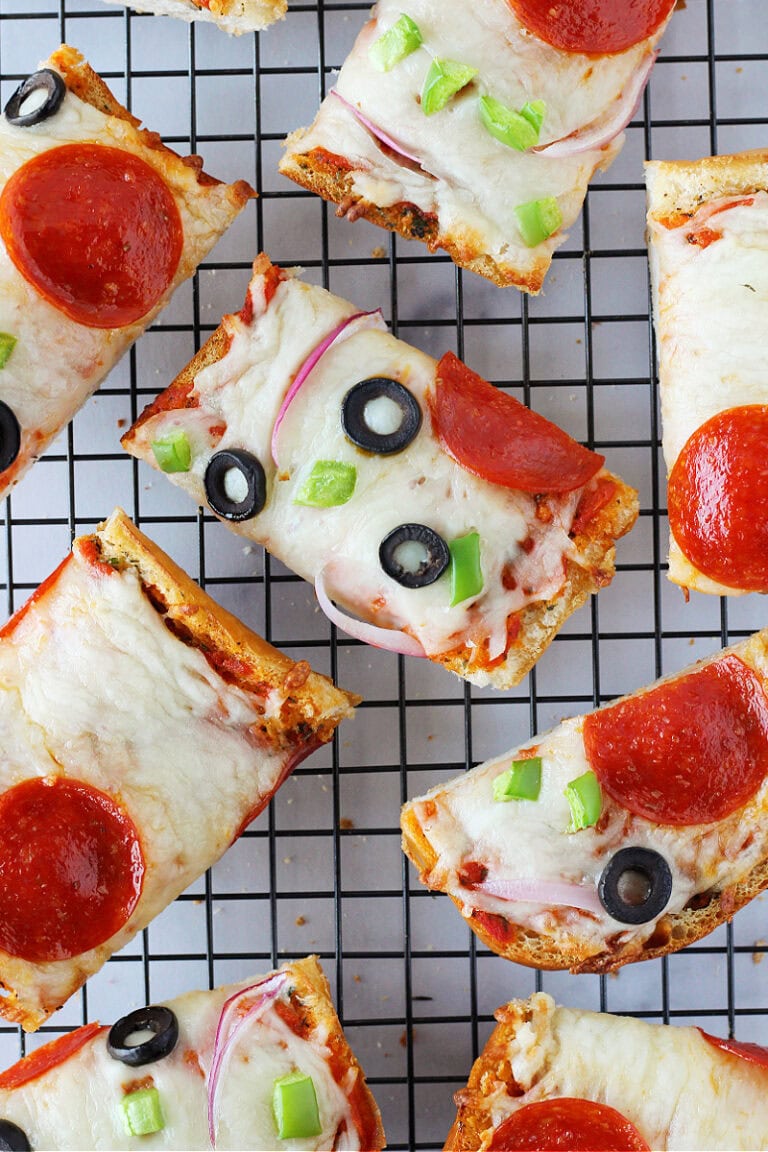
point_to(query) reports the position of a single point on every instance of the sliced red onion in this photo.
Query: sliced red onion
(607, 127)
(311, 361)
(228, 1028)
(389, 638)
(551, 892)
(375, 131)
(498, 640)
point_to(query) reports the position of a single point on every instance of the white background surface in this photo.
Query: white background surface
(415, 994)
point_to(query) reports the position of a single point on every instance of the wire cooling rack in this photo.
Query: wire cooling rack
(322, 870)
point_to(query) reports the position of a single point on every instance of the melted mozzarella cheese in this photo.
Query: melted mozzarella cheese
(529, 840)
(473, 181)
(422, 484)
(679, 1091)
(93, 685)
(57, 363)
(234, 16)
(711, 313)
(77, 1104)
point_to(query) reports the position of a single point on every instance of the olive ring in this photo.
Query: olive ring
(13, 1138)
(46, 81)
(652, 868)
(437, 556)
(158, 1020)
(355, 423)
(251, 470)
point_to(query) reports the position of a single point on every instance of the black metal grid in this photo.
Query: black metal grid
(414, 991)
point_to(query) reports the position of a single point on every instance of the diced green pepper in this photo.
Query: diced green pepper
(466, 573)
(518, 130)
(330, 482)
(172, 452)
(520, 782)
(294, 1103)
(142, 1112)
(7, 345)
(402, 38)
(538, 219)
(586, 801)
(443, 80)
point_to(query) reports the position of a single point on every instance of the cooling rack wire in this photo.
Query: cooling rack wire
(322, 870)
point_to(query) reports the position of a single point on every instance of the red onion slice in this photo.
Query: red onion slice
(376, 132)
(228, 1029)
(550, 892)
(389, 638)
(312, 359)
(607, 127)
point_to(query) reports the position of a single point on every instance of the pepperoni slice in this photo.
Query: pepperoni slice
(691, 751)
(570, 1124)
(718, 498)
(71, 869)
(95, 230)
(496, 437)
(594, 27)
(49, 1056)
(753, 1053)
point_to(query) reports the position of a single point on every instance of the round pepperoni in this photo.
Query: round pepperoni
(95, 230)
(570, 1124)
(594, 27)
(752, 1053)
(496, 437)
(718, 498)
(49, 1056)
(71, 869)
(691, 751)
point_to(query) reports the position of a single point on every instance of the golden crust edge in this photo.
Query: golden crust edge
(88, 86)
(682, 185)
(405, 219)
(316, 991)
(315, 701)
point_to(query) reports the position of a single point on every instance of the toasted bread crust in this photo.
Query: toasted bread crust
(315, 994)
(89, 87)
(313, 706)
(326, 175)
(683, 185)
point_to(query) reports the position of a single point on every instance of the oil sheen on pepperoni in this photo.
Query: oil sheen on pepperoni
(595, 27)
(496, 437)
(718, 498)
(71, 869)
(688, 752)
(570, 1124)
(744, 1049)
(95, 230)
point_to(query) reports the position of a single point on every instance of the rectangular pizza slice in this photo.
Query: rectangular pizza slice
(708, 240)
(452, 521)
(234, 16)
(553, 1077)
(262, 1065)
(99, 224)
(143, 728)
(477, 127)
(621, 835)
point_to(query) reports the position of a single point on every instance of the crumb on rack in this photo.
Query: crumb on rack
(300, 921)
(346, 823)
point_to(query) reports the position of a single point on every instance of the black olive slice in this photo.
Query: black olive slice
(13, 1138)
(226, 472)
(50, 86)
(10, 437)
(161, 1021)
(427, 562)
(359, 420)
(635, 886)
